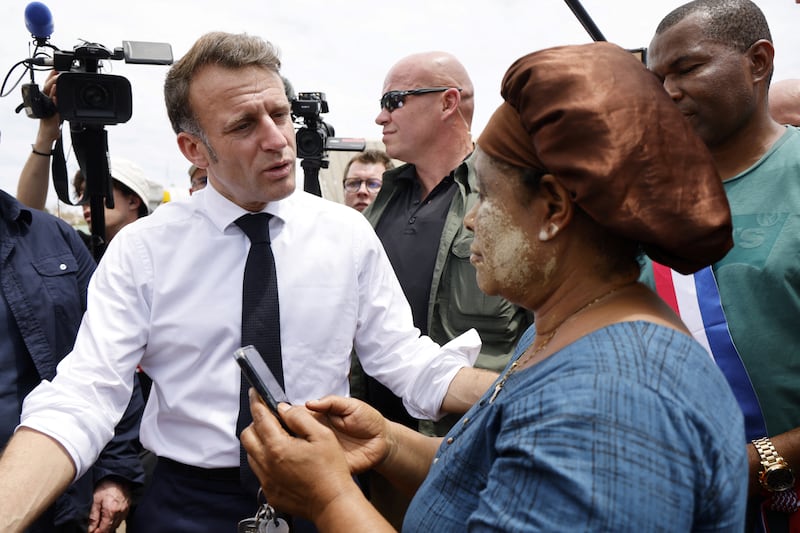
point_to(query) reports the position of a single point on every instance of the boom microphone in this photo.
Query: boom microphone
(39, 21)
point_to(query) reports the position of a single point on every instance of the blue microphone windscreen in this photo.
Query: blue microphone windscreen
(39, 20)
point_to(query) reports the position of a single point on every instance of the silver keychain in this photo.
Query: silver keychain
(269, 522)
(266, 520)
(248, 525)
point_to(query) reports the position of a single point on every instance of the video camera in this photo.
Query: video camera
(89, 101)
(312, 138)
(85, 95)
(315, 137)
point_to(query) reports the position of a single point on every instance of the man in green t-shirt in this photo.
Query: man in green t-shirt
(715, 58)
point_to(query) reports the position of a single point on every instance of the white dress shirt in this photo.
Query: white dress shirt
(167, 295)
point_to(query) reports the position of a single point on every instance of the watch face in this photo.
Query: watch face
(778, 478)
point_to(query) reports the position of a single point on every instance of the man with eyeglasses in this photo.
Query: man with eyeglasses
(363, 177)
(426, 115)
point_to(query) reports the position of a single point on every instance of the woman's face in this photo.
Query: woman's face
(507, 251)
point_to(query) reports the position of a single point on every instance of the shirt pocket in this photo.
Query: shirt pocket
(58, 275)
(56, 266)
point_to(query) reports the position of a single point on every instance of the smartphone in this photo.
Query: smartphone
(259, 375)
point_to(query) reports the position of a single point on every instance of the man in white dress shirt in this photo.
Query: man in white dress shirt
(337, 293)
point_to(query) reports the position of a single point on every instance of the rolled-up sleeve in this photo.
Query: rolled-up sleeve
(391, 349)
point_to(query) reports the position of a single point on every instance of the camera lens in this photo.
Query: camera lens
(310, 143)
(95, 96)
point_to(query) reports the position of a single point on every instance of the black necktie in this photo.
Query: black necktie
(260, 319)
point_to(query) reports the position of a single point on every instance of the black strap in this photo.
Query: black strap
(60, 179)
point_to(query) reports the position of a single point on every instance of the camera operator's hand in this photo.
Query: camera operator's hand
(50, 127)
(34, 178)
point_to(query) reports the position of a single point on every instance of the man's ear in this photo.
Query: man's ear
(134, 201)
(451, 99)
(193, 149)
(559, 207)
(761, 55)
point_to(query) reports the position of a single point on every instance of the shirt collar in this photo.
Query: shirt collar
(13, 211)
(223, 213)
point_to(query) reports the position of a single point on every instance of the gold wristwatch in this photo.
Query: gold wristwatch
(775, 475)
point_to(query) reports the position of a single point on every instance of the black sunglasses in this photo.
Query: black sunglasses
(394, 99)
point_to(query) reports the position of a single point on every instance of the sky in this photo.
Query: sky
(342, 48)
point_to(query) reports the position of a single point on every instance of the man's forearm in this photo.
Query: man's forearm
(35, 176)
(467, 387)
(34, 471)
(33, 181)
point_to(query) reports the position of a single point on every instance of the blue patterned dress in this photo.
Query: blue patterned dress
(631, 428)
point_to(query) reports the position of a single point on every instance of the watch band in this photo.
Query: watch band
(766, 450)
(770, 459)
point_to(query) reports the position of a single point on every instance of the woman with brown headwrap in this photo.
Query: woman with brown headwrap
(610, 417)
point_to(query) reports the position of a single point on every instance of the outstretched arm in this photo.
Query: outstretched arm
(467, 387)
(34, 178)
(34, 471)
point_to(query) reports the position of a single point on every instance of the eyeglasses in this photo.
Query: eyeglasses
(394, 99)
(354, 185)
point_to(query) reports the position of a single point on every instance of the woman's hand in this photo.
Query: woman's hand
(310, 473)
(361, 430)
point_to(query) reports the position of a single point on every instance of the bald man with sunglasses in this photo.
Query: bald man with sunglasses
(426, 115)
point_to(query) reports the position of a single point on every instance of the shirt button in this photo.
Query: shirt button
(435, 460)
(465, 421)
(450, 440)
(62, 266)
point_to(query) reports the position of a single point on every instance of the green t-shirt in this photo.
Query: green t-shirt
(759, 279)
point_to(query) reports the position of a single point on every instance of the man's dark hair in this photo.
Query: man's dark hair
(735, 23)
(228, 50)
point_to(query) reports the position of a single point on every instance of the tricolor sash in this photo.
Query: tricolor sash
(695, 298)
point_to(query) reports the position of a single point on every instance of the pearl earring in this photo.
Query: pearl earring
(549, 233)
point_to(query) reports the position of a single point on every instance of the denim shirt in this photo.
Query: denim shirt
(44, 273)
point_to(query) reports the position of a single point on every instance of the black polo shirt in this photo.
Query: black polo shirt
(410, 229)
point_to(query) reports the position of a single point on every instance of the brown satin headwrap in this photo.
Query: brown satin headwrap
(595, 118)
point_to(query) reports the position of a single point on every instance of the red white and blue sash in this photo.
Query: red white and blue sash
(695, 298)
